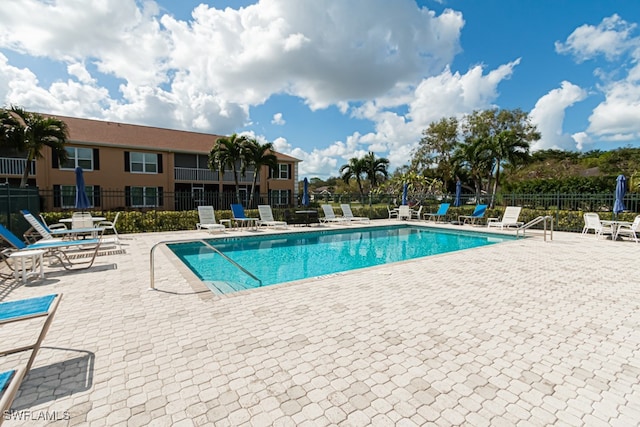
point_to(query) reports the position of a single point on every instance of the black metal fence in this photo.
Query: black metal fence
(12, 200)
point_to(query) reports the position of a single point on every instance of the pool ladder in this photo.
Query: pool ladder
(543, 219)
(164, 242)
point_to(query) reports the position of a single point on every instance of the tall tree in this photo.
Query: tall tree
(229, 152)
(30, 133)
(436, 148)
(375, 167)
(354, 169)
(259, 155)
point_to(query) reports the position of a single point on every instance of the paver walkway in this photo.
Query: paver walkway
(521, 333)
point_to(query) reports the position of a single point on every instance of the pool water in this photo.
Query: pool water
(293, 256)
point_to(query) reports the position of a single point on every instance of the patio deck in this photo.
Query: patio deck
(525, 332)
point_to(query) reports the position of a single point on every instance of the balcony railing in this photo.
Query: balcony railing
(13, 166)
(198, 174)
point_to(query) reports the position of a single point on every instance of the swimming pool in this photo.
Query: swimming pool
(279, 258)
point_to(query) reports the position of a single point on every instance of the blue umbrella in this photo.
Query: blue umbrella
(457, 202)
(82, 201)
(621, 188)
(405, 190)
(305, 192)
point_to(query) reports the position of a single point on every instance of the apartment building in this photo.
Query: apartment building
(136, 167)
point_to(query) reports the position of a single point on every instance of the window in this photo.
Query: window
(144, 197)
(282, 172)
(67, 195)
(79, 157)
(279, 197)
(143, 162)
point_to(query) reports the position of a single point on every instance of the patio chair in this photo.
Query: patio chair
(207, 217)
(240, 218)
(347, 213)
(509, 218)
(266, 217)
(592, 222)
(56, 248)
(440, 213)
(32, 308)
(81, 220)
(629, 229)
(415, 214)
(404, 212)
(475, 217)
(330, 216)
(393, 213)
(111, 225)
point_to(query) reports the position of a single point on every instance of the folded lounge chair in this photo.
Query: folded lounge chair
(441, 213)
(56, 248)
(266, 217)
(240, 218)
(330, 216)
(15, 311)
(478, 213)
(207, 218)
(509, 218)
(348, 214)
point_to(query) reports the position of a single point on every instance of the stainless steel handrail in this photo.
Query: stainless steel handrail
(537, 220)
(164, 242)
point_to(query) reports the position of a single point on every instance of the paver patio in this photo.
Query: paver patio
(520, 333)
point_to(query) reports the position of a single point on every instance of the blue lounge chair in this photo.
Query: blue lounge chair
(16, 311)
(478, 213)
(55, 248)
(31, 308)
(240, 218)
(441, 213)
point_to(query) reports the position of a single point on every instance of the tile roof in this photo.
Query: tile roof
(98, 132)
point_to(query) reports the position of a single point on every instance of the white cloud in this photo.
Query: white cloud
(618, 117)
(548, 115)
(277, 119)
(610, 38)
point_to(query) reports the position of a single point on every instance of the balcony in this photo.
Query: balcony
(206, 175)
(15, 167)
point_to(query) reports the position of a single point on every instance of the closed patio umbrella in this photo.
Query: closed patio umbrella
(457, 202)
(82, 201)
(305, 192)
(405, 190)
(621, 189)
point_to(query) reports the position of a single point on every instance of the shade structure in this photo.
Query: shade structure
(305, 192)
(621, 189)
(82, 201)
(457, 201)
(405, 191)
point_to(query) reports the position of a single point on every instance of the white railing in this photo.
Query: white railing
(199, 174)
(13, 166)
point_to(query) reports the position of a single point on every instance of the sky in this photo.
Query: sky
(328, 80)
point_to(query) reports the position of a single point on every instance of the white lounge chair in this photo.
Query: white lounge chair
(266, 217)
(592, 222)
(330, 216)
(348, 214)
(207, 218)
(509, 218)
(629, 229)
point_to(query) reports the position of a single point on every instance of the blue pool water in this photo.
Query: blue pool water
(293, 256)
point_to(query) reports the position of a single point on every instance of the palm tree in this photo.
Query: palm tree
(259, 155)
(375, 167)
(31, 132)
(229, 152)
(354, 169)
